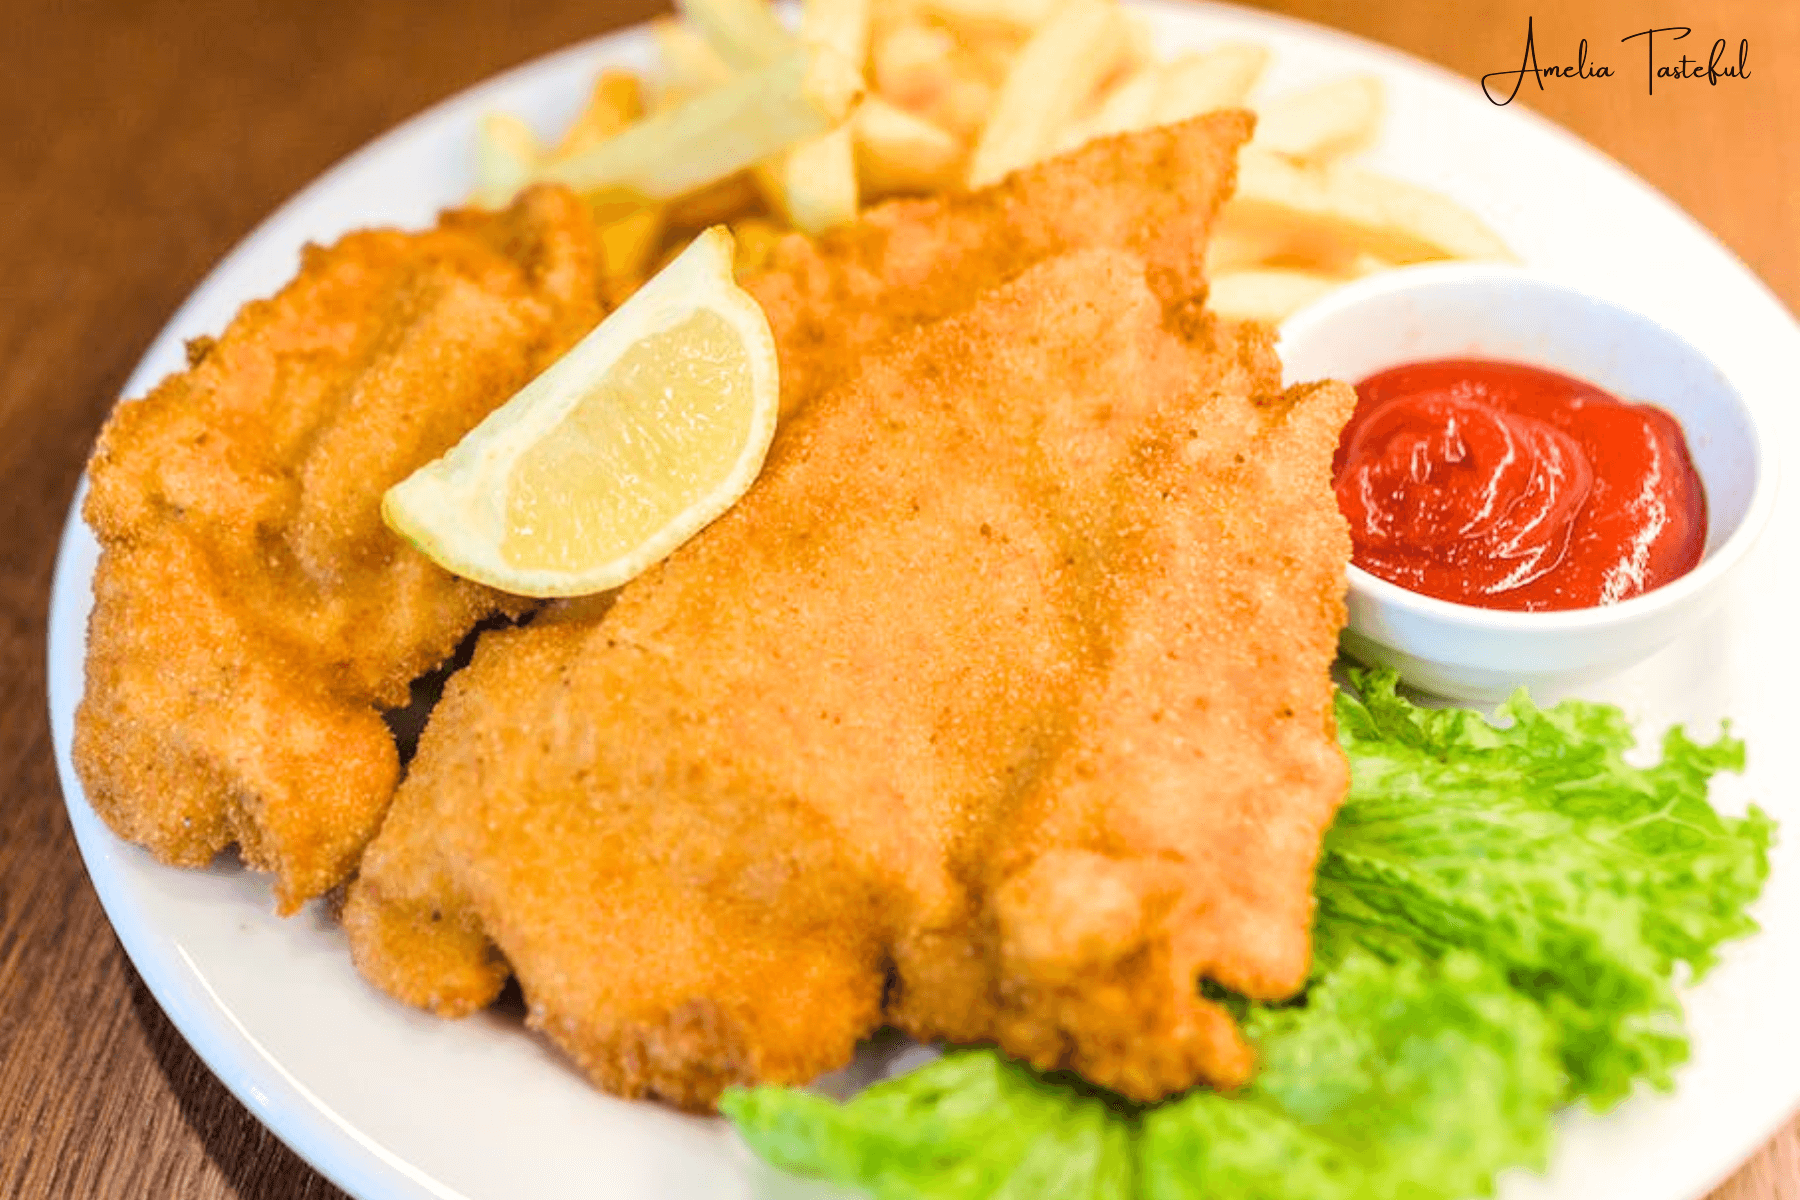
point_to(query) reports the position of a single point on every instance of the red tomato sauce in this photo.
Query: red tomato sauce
(1507, 486)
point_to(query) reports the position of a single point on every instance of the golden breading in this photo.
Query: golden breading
(907, 262)
(252, 614)
(999, 708)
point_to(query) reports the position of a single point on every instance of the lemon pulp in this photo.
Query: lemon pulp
(668, 420)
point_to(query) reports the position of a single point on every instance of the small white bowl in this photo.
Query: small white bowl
(1507, 313)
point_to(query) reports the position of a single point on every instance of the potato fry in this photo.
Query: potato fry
(966, 91)
(841, 24)
(722, 131)
(690, 65)
(1140, 43)
(822, 188)
(629, 240)
(898, 153)
(1210, 79)
(1355, 211)
(617, 99)
(910, 63)
(924, 70)
(731, 199)
(1244, 239)
(815, 183)
(1130, 105)
(756, 239)
(1056, 72)
(1162, 93)
(1241, 242)
(506, 155)
(1015, 14)
(1328, 121)
(1269, 294)
(1365, 263)
(746, 34)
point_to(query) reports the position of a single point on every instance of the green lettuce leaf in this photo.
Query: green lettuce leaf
(1538, 848)
(1415, 1079)
(1503, 914)
(973, 1123)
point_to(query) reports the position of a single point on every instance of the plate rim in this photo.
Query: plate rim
(279, 1101)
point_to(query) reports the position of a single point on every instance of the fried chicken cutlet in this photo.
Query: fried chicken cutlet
(999, 709)
(1155, 193)
(252, 615)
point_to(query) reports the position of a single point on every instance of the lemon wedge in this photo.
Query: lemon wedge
(648, 429)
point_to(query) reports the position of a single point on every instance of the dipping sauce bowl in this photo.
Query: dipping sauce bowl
(1509, 314)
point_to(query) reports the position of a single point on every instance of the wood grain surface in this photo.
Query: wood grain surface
(140, 140)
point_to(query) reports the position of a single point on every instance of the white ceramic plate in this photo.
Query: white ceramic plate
(389, 1102)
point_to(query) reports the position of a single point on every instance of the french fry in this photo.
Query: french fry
(1357, 211)
(506, 156)
(898, 153)
(812, 184)
(720, 132)
(1201, 82)
(1328, 121)
(1140, 42)
(841, 24)
(1015, 14)
(756, 239)
(746, 34)
(1241, 242)
(730, 199)
(1244, 239)
(964, 92)
(1269, 294)
(924, 70)
(1130, 105)
(815, 183)
(689, 65)
(1161, 93)
(629, 240)
(1057, 71)
(617, 99)
(1365, 263)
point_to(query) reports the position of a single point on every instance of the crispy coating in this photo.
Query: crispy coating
(999, 709)
(908, 262)
(252, 614)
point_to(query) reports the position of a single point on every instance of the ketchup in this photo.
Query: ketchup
(1507, 486)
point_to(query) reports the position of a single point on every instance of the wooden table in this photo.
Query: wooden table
(139, 142)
